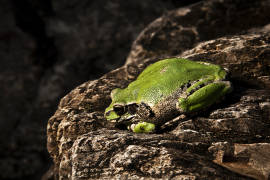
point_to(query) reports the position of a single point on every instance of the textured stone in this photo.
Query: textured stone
(84, 145)
(114, 154)
(247, 159)
(183, 28)
(242, 117)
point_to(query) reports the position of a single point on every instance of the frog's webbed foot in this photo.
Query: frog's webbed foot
(203, 94)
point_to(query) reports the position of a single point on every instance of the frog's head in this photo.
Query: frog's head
(119, 110)
(126, 114)
(124, 111)
(118, 113)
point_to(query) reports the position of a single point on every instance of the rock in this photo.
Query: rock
(135, 156)
(84, 145)
(183, 28)
(247, 159)
(47, 49)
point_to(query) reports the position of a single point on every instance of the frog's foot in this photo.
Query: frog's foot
(142, 127)
(204, 96)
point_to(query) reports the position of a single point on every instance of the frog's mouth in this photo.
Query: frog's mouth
(122, 119)
(123, 122)
(122, 114)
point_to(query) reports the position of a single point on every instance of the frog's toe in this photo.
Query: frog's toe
(142, 127)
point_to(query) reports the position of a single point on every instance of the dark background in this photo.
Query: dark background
(46, 49)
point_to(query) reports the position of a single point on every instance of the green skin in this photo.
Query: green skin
(165, 90)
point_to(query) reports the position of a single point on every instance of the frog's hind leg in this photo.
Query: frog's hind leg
(204, 96)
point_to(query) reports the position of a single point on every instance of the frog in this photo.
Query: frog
(166, 89)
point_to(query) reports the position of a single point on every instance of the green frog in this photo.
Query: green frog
(164, 90)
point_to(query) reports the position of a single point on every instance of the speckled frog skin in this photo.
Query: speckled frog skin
(164, 90)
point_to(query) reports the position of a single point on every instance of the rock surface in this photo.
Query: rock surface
(47, 48)
(246, 159)
(182, 29)
(230, 140)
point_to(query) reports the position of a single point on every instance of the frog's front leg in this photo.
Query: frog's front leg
(203, 97)
(142, 127)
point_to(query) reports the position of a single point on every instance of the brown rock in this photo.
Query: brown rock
(85, 146)
(79, 145)
(247, 159)
(183, 28)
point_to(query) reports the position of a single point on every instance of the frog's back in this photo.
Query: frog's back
(164, 77)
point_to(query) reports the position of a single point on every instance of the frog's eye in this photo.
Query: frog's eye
(119, 109)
